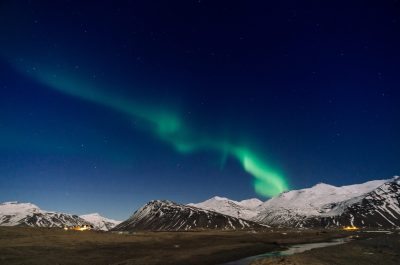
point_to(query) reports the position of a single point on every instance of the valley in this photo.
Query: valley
(218, 231)
(26, 245)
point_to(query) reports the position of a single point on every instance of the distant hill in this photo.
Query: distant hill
(99, 222)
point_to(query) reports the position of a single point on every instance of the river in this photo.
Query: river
(293, 249)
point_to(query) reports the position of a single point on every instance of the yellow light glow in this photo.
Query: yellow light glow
(350, 228)
(79, 228)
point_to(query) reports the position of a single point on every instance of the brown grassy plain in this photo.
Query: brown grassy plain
(23, 245)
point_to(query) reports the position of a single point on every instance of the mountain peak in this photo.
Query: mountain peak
(8, 203)
(18, 203)
(18, 207)
(218, 198)
(99, 222)
(323, 185)
(250, 203)
(159, 202)
(91, 214)
(244, 209)
(28, 214)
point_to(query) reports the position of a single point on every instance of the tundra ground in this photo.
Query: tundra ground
(379, 249)
(23, 245)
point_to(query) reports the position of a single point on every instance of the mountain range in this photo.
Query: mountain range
(28, 214)
(164, 215)
(370, 204)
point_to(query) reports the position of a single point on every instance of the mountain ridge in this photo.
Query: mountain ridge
(244, 209)
(374, 203)
(16, 213)
(322, 205)
(164, 215)
(329, 206)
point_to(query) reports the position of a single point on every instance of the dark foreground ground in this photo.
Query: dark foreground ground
(55, 246)
(373, 249)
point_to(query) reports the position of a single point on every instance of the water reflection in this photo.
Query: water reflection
(294, 249)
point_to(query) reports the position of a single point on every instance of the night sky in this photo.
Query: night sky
(106, 105)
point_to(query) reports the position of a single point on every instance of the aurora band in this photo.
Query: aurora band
(168, 127)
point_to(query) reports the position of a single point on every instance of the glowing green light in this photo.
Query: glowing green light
(267, 182)
(167, 126)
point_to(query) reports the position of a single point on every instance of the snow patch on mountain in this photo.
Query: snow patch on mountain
(250, 203)
(245, 209)
(99, 222)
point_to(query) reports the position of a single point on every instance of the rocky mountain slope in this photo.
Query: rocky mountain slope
(169, 216)
(245, 209)
(99, 222)
(28, 214)
(371, 204)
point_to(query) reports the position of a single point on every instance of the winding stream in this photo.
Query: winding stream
(293, 249)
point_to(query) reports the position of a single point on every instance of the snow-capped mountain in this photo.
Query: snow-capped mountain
(99, 222)
(169, 216)
(374, 204)
(245, 209)
(250, 203)
(28, 214)
(371, 204)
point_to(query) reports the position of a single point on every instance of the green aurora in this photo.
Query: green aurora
(167, 126)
